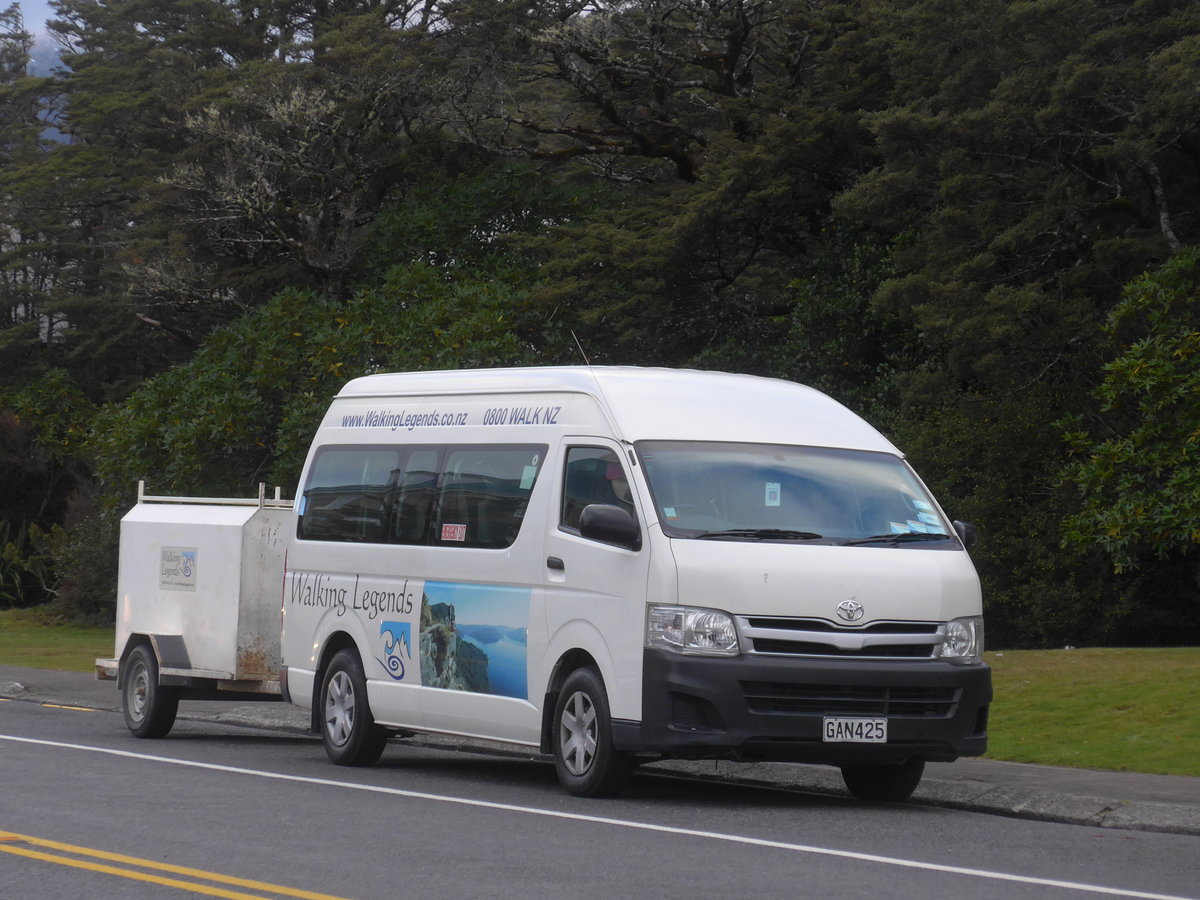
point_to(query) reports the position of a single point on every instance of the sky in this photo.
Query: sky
(36, 12)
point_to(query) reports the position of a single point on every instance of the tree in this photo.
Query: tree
(294, 159)
(1137, 467)
(630, 89)
(987, 112)
(44, 427)
(27, 259)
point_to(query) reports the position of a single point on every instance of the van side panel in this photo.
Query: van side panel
(452, 638)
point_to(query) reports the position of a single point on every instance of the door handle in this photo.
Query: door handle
(553, 562)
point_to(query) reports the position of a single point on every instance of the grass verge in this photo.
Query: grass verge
(34, 637)
(1098, 708)
(1101, 708)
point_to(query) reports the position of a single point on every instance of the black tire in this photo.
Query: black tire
(587, 763)
(149, 707)
(883, 782)
(348, 729)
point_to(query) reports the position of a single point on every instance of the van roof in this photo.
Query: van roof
(660, 403)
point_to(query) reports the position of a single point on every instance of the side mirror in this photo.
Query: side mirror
(967, 533)
(610, 525)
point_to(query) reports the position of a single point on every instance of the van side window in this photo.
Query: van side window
(416, 492)
(483, 494)
(349, 495)
(592, 475)
(466, 496)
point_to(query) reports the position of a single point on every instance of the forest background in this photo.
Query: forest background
(976, 224)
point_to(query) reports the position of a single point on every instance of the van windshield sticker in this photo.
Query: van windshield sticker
(454, 532)
(772, 498)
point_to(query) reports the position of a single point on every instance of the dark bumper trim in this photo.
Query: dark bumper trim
(695, 707)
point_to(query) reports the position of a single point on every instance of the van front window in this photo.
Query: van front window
(757, 492)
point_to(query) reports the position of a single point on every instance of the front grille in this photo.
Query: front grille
(849, 700)
(807, 648)
(821, 637)
(827, 627)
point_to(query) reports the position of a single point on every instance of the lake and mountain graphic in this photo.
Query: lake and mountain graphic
(473, 638)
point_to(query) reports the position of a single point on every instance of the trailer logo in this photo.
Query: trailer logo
(177, 568)
(397, 647)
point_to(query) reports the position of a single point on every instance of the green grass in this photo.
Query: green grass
(1136, 710)
(1099, 708)
(33, 637)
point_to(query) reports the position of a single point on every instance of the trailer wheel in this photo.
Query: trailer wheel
(348, 729)
(886, 783)
(149, 707)
(584, 757)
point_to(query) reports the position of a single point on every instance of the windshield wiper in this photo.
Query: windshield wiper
(762, 534)
(902, 538)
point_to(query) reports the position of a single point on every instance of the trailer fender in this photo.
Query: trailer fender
(169, 650)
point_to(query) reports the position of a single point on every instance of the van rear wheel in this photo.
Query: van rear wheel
(888, 783)
(584, 757)
(149, 707)
(348, 729)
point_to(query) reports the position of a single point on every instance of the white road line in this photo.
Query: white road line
(621, 823)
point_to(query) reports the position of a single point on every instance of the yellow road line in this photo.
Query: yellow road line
(8, 841)
(60, 706)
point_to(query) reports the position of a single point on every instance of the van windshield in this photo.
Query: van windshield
(768, 492)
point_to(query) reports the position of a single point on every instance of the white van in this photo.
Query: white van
(620, 564)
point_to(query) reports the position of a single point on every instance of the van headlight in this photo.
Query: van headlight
(688, 629)
(962, 640)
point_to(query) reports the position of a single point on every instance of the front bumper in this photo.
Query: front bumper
(772, 708)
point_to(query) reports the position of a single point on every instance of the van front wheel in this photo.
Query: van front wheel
(886, 783)
(587, 763)
(348, 729)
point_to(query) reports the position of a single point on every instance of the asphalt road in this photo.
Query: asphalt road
(1122, 800)
(243, 811)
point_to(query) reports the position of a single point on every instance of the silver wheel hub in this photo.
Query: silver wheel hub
(577, 733)
(339, 708)
(137, 694)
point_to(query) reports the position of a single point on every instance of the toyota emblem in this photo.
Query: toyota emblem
(850, 610)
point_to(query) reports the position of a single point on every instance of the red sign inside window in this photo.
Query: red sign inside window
(454, 532)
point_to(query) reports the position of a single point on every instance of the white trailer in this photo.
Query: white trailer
(198, 604)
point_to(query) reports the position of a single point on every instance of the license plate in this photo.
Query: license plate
(845, 730)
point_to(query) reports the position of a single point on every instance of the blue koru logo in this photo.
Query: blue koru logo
(397, 647)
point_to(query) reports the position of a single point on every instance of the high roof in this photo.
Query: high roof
(659, 403)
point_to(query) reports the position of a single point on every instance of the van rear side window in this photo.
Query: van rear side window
(465, 496)
(350, 495)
